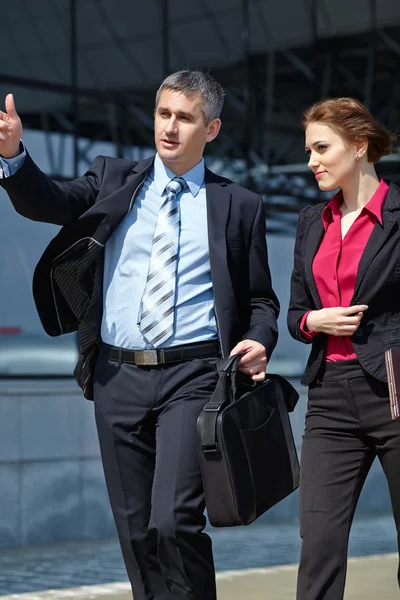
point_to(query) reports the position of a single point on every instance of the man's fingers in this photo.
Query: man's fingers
(4, 126)
(257, 363)
(240, 347)
(256, 373)
(3, 117)
(259, 376)
(254, 355)
(251, 355)
(10, 107)
(253, 369)
(254, 359)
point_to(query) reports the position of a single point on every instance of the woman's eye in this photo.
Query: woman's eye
(322, 147)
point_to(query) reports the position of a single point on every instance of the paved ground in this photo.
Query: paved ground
(99, 562)
(369, 578)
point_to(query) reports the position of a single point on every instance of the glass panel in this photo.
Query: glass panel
(25, 349)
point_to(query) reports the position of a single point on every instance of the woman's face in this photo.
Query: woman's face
(332, 161)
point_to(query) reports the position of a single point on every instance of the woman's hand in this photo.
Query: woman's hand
(336, 321)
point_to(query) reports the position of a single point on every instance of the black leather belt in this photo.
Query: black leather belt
(161, 356)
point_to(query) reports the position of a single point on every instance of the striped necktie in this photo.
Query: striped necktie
(158, 300)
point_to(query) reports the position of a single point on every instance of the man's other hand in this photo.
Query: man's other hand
(10, 130)
(254, 361)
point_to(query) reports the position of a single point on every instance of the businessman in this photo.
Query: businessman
(162, 267)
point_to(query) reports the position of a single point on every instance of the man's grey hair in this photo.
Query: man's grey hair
(189, 82)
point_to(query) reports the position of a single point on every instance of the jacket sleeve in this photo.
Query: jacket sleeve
(37, 197)
(300, 300)
(264, 304)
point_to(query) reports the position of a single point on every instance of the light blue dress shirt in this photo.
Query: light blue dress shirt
(10, 166)
(127, 257)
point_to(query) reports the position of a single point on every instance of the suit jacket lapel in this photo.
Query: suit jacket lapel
(375, 242)
(315, 233)
(218, 208)
(117, 204)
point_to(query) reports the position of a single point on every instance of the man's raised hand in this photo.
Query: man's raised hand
(10, 130)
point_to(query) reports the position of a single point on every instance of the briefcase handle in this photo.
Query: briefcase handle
(225, 393)
(229, 366)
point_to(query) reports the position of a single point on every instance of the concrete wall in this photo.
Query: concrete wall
(51, 479)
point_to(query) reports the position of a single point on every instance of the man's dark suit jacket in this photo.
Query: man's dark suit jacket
(377, 286)
(67, 283)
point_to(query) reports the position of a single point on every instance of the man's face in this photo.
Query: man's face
(179, 130)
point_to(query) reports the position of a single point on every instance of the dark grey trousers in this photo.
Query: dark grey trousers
(146, 421)
(348, 424)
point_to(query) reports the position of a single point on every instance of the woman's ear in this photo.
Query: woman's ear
(361, 147)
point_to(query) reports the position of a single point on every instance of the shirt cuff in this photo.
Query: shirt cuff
(9, 166)
(305, 332)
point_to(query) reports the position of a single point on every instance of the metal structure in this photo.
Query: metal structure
(90, 69)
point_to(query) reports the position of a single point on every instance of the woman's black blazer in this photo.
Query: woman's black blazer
(377, 285)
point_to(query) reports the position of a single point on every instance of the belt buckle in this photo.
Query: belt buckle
(146, 358)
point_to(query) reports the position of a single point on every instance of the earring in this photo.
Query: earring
(357, 156)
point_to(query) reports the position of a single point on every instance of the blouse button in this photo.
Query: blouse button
(334, 278)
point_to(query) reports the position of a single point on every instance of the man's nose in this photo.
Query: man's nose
(171, 126)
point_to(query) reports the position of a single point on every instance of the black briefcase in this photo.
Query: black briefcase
(247, 452)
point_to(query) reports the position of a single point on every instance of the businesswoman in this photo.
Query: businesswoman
(345, 301)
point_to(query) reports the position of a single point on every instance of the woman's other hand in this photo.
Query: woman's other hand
(337, 320)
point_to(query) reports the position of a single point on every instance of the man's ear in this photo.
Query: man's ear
(213, 129)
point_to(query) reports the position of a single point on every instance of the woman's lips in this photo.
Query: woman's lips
(320, 173)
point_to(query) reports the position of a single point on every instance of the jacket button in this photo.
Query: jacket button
(359, 332)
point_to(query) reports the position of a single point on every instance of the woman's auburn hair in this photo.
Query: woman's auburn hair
(353, 121)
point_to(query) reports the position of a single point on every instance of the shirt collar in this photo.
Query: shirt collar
(374, 205)
(163, 175)
(332, 208)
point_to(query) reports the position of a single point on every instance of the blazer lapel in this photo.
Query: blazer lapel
(218, 208)
(315, 233)
(375, 242)
(117, 205)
